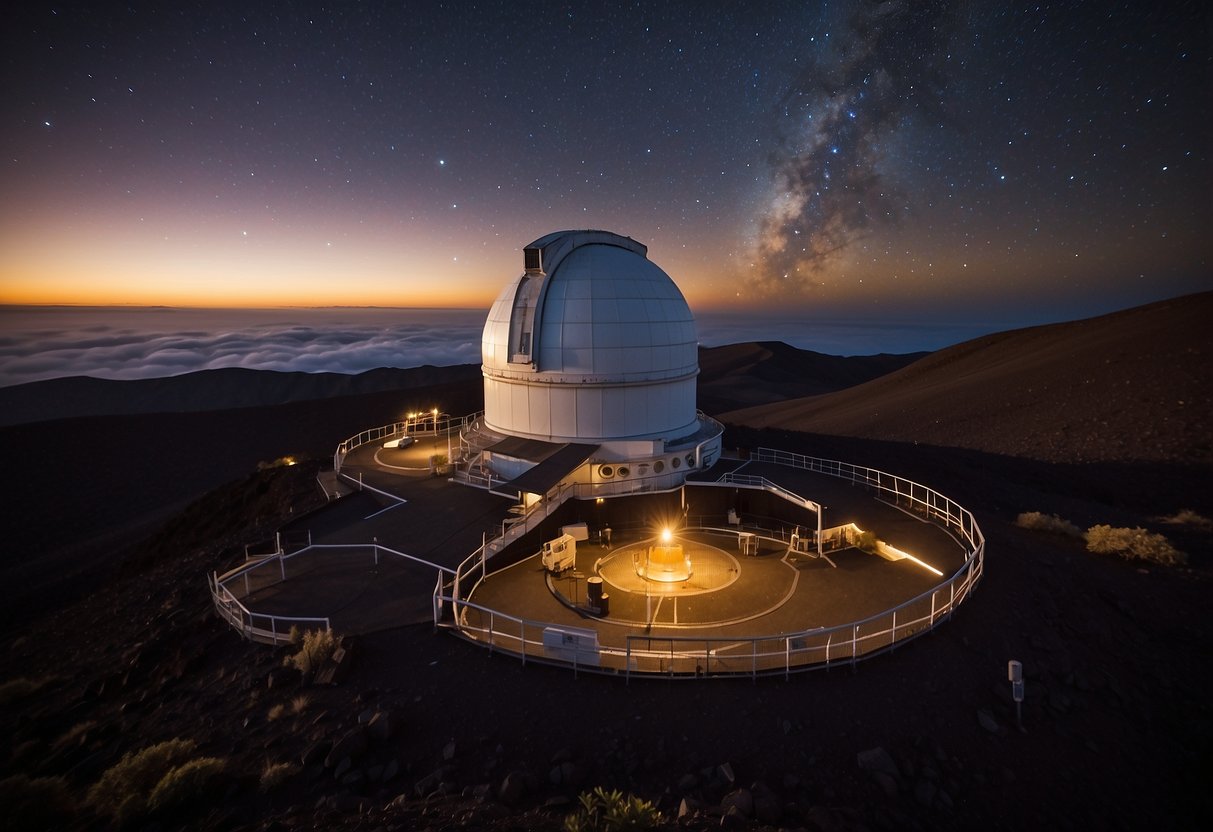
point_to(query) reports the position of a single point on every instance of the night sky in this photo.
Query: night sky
(852, 159)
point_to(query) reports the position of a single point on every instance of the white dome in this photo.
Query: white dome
(592, 341)
(605, 311)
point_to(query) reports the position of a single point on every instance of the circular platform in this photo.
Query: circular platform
(711, 568)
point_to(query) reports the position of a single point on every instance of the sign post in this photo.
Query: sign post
(1015, 676)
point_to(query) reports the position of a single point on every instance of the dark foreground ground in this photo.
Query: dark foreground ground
(1117, 726)
(109, 644)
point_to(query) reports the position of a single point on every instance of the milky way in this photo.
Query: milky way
(887, 66)
(888, 159)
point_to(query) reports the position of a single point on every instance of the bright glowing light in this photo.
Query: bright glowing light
(898, 553)
(666, 536)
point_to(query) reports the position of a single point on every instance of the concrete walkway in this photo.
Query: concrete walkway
(773, 594)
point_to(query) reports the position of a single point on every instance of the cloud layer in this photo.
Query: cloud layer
(125, 344)
(42, 343)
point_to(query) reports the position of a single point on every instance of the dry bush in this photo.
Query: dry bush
(124, 789)
(17, 689)
(275, 712)
(185, 784)
(1133, 544)
(299, 703)
(1050, 523)
(1188, 517)
(612, 811)
(275, 774)
(74, 735)
(315, 647)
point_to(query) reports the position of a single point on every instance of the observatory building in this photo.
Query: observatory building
(590, 362)
(590, 358)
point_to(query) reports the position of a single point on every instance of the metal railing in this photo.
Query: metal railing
(674, 655)
(693, 656)
(259, 572)
(256, 626)
(440, 426)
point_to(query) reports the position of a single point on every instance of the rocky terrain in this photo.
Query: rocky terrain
(423, 731)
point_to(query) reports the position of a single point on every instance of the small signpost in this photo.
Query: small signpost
(1015, 676)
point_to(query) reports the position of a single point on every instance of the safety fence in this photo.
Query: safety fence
(426, 425)
(647, 653)
(260, 572)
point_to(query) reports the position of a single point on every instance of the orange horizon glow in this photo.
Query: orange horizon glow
(112, 275)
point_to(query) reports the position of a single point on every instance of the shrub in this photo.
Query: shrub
(275, 712)
(275, 774)
(123, 790)
(36, 803)
(1188, 517)
(185, 783)
(603, 811)
(299, 703)
(315, 647)
(17, 689)
(1050, 523)
(1134, 544)
(74, 735)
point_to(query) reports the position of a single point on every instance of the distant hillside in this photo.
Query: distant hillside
(206, 390)
(740, 375)
(1133, 385)
(730, 377)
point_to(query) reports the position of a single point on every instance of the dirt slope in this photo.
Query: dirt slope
(1130, 385)
(741, 375)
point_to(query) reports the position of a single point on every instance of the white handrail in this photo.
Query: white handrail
(784, 652)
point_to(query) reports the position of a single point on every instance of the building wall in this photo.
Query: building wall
(571, 412)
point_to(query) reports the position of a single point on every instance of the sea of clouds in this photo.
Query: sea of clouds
(125, 343)
(39, 343)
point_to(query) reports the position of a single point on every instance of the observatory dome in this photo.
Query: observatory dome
(592, 342)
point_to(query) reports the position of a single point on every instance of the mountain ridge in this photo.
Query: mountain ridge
(1132, 384)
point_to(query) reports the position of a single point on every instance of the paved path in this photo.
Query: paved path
(443, 522)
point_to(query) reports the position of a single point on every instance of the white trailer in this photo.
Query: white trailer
(560, 554)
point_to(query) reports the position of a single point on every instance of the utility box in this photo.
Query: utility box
(579, 531)
(560, 554)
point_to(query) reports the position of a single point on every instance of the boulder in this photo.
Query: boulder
(381, 727)
(513, 788)
(315, 752)
(877, 759)
(734, 819)
(688, 807)
(352, 745)
(768, 809)
(881, 768)
(725, 772)
(688, 783)
(741, 799)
